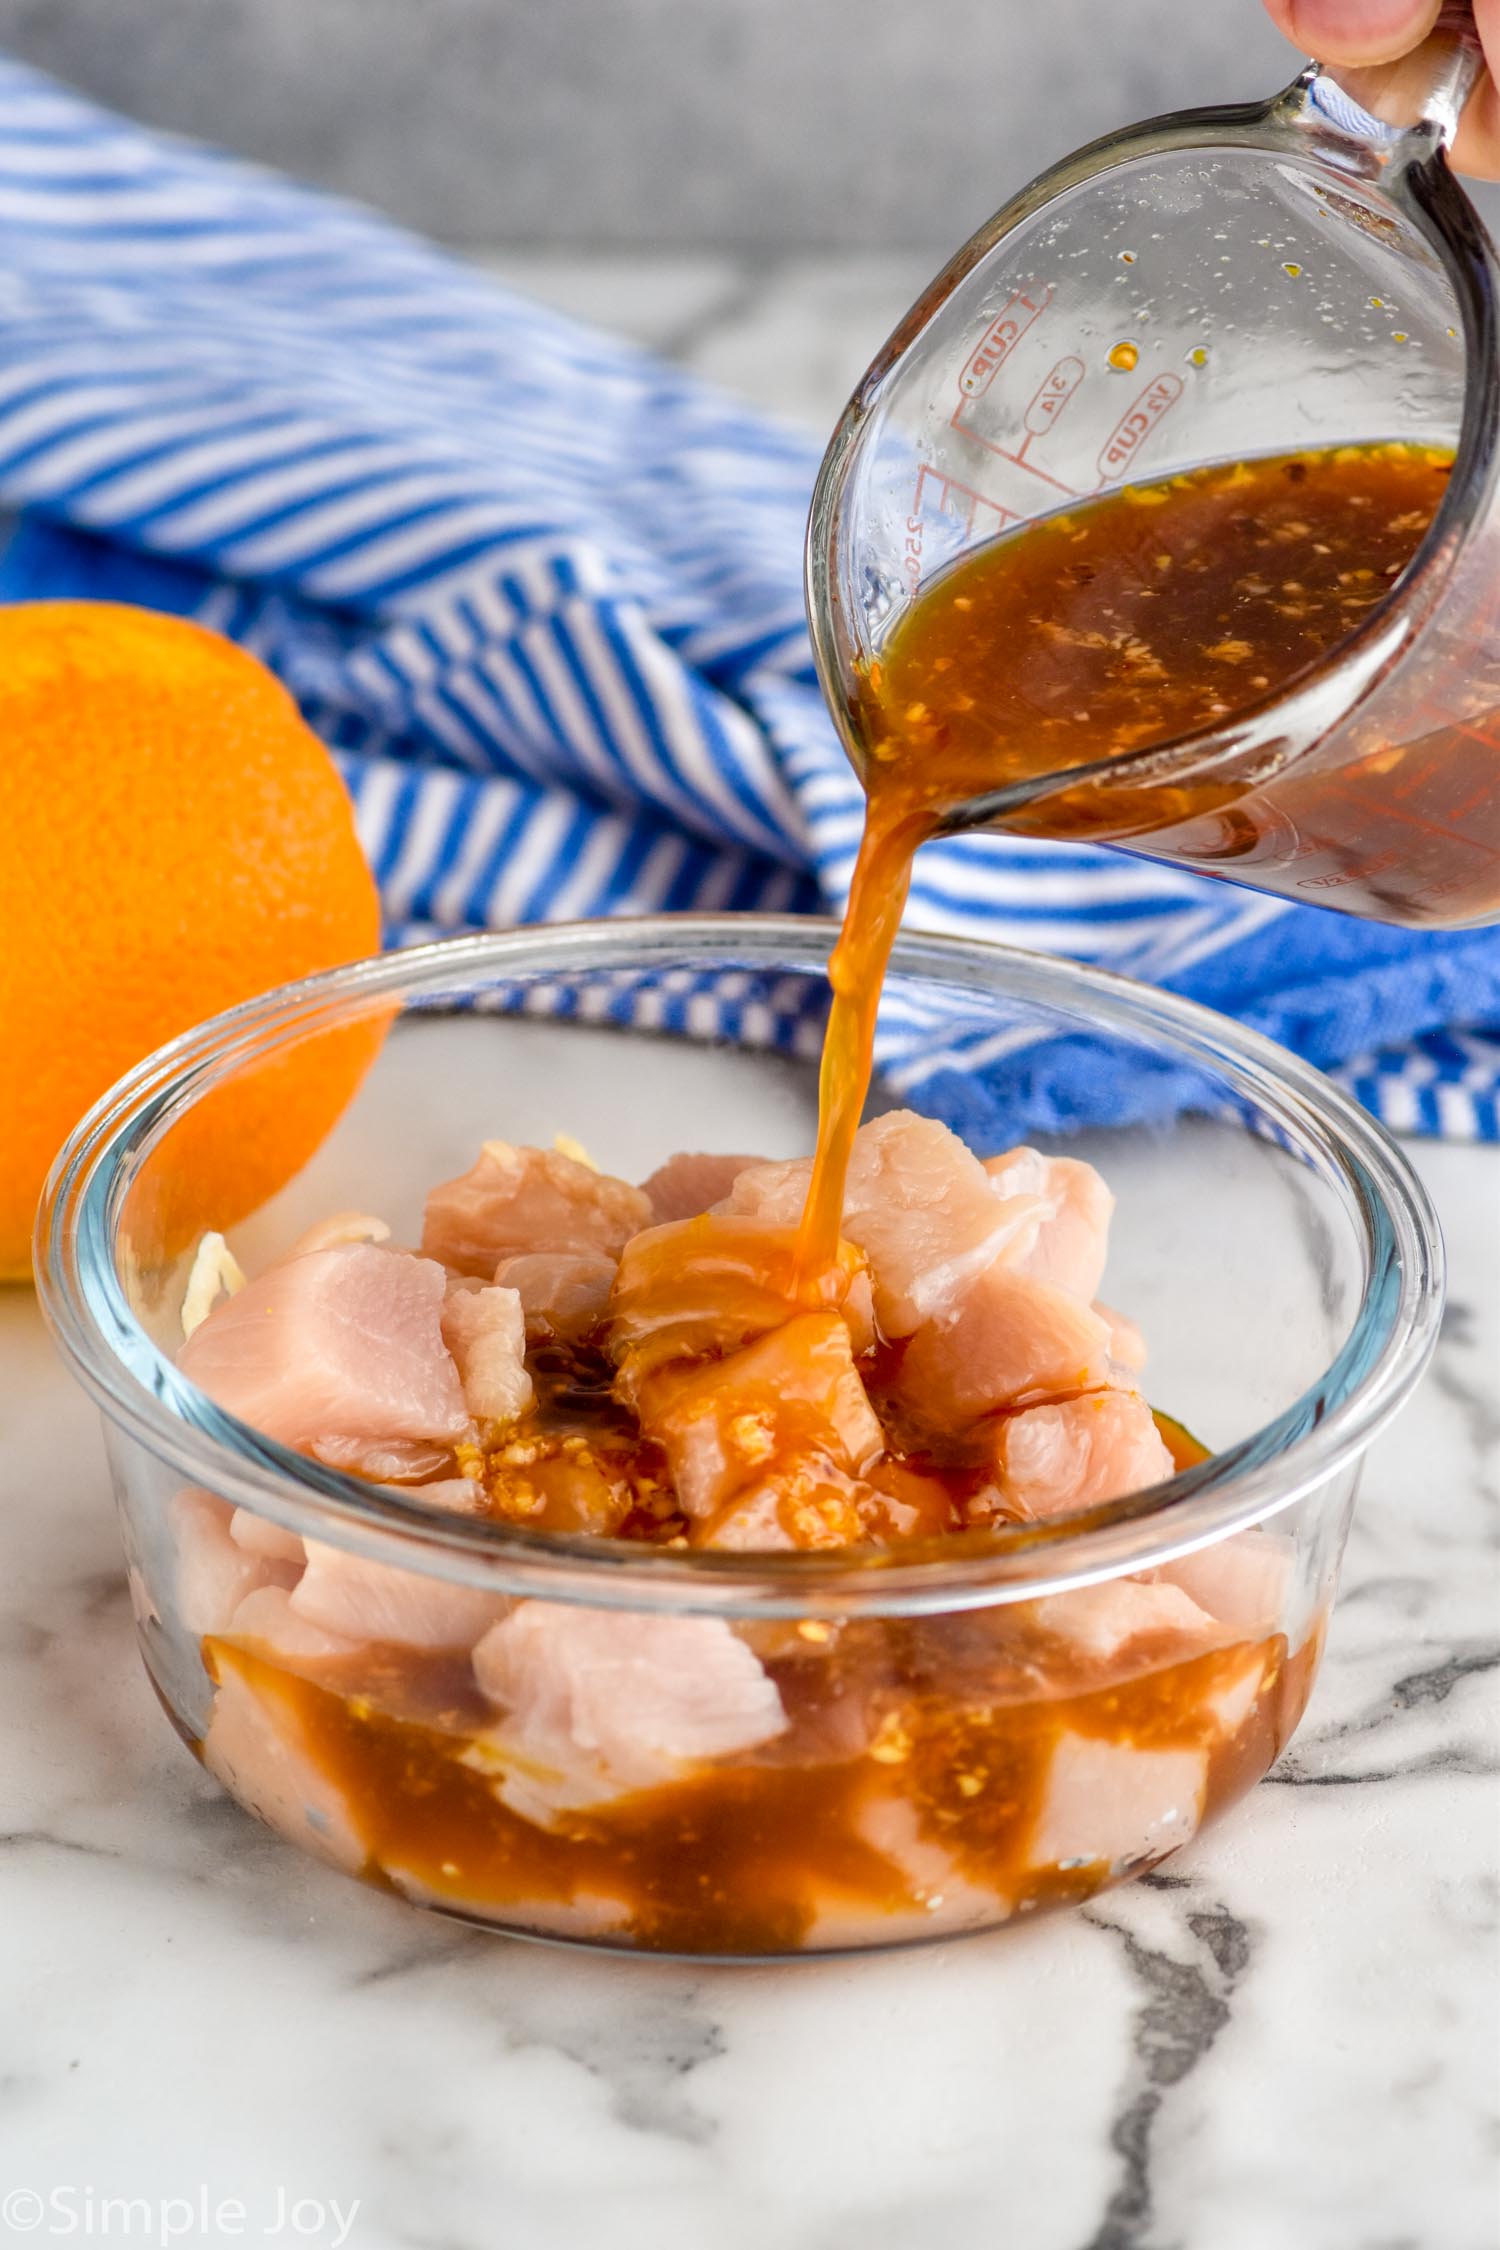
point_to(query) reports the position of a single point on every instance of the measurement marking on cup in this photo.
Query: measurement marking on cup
(961, 500)
(1406, 819)
(1000, 339)
(1137, 422)
(1053, 395)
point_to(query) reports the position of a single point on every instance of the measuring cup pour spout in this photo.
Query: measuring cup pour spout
(1277, 278)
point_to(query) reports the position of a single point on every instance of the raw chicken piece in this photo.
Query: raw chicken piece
(1127, 1346)
(1072, 1242)
(1106, 1802)
(215, 1573)
(599, 1703)
(753, 1523)
(1101, 1621)
(371, 1601)
(588, 1915)
(1013, 1340)
(569, 1490)
(690, 1183)
(1097, 1447)
(793, 1392)
(268, 1618)
(807, 1503)
(1235, 1698)
(460, 1496)
(385, 1461)
(950, 1899)
(917, 1203)
(1244, 1581)
(339, 1352)
(259, 1536)
(563, 1293)
(516, 1199)
(704, 1287)
(257, 1746)
(906, 1503)
(485, 1330)
(928, 1893)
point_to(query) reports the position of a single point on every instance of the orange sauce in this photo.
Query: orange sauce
(781, 1848)
(1153, 612)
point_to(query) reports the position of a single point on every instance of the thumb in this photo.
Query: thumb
(1354, 31)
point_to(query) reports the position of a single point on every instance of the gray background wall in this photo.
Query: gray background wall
(747, 124)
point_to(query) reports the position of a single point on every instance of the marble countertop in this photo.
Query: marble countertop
(1286, 2041)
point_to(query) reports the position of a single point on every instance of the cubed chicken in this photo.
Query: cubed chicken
(690, 1183)
(563, 1293)
(917, 1203)
(371, 1601)
(1107, 1804)
(457, 1496)
(386, 1460)
(1014, 1341)
(702, 1288)
(589, 1915)
(259, 1536)
(280, 1632)
(258, 1746)
(806, 1502)
(214, 1572)
(1072, 1242)
(599, 1703)
(1100, 1623)
(570, 1488)
(919, 1892)
(1245, 1582)
(519, 1199)
(485, 1330)
(1127, 1346)
(792, 1392)
(340, 1353)
(1049, 1459)
(951, 1900)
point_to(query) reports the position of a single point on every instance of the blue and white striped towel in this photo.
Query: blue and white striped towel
(541, 593)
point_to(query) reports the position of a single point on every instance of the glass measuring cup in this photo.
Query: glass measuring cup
(1299, 273)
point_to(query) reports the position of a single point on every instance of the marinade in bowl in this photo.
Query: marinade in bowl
(634, 1725)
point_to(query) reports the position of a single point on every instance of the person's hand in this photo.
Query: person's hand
(1378, 31)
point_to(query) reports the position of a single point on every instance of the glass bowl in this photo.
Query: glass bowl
(950, 1734)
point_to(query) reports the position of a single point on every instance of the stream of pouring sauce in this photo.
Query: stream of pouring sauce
(1150, 613)
(919, 1752)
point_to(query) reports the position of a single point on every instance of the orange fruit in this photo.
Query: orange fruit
(175, 839)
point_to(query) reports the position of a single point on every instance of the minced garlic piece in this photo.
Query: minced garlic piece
(565, 1145)
(215, 1272)
(341, 1228)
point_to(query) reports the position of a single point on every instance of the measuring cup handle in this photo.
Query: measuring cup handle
(1427, 87)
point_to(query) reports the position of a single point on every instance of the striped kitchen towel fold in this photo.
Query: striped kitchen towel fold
(541, 594)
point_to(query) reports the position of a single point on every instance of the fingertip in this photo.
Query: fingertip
(1355, 31)
(1476, 145)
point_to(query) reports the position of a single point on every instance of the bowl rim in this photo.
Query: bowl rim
(1324, 1431)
